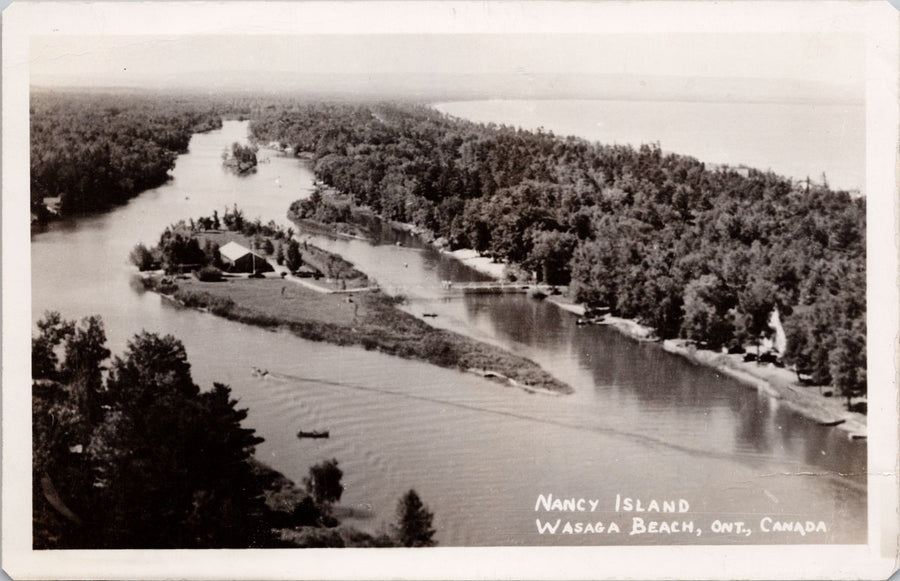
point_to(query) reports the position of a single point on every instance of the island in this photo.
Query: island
(312, 293)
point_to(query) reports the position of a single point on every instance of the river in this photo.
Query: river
(642, 423)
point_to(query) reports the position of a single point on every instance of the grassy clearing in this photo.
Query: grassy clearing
(371, 320)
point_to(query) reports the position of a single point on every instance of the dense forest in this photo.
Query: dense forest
(95, 150)
(695, 251)
(145, 459)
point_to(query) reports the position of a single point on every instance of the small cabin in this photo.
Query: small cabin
(237, 258)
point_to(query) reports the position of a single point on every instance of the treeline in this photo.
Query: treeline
(95, 150)
(144, 459)
(701, 252)
(181, 245)
(191, 246)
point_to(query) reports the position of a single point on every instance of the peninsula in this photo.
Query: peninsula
(315, 295)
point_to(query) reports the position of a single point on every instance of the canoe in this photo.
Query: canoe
(323, 434)
(834, 423)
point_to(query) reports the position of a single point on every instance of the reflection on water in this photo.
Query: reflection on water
(641, 423)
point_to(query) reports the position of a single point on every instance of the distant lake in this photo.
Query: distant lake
(795, 140)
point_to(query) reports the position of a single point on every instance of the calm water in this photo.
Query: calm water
(796, 140)
(642, 423)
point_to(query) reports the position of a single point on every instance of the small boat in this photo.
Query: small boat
(833, 423)
(581, 322)
(429, 314)
(323, 434)
(857, 436)
(537, 294)
(257, 372)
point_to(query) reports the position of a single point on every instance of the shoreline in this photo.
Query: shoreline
(371, 320)
(767, 379)
(777, 383)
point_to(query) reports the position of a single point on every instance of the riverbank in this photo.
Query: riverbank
(370, 320)
(778, 383)
(482, 264)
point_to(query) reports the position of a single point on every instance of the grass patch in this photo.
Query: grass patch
(370, 320)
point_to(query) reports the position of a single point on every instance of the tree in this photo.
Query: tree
(847, 364)
(799, 350)
(292, 259)
(755, 305)
(212, 253)
(153, 366)
(54, 330)
(706, 304)
(324, 482)
(243, 157)
(176, 250)
(550, 256)
(414, 522)
(85, 352)
(142, 258)
(172, 464)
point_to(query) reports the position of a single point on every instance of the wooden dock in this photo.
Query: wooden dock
(496, 287)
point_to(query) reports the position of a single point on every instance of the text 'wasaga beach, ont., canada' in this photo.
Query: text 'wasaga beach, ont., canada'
(670, 516)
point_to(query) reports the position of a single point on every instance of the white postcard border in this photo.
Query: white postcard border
(877, 20)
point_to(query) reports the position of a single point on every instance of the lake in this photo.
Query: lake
(798, 140)
(642, 423)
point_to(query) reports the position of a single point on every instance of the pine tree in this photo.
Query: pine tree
(413, 528)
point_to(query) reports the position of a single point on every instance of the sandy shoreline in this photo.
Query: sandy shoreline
(778, 383)
(482, 264)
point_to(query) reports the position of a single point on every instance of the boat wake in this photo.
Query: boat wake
(644, 439)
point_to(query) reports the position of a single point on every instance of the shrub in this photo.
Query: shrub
(166, 285)
(208, 274)
(142, 258)
(440, 351)
(217, 305)
(324, 482)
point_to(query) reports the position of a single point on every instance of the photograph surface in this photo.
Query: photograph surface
(313, 284)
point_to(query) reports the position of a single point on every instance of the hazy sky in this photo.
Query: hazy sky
(144, 61)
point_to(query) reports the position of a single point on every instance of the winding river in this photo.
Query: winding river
(642, 423)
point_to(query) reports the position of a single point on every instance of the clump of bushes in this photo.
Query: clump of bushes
(166, 285)
(217, 305)
(208, 274)
(143, 258)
